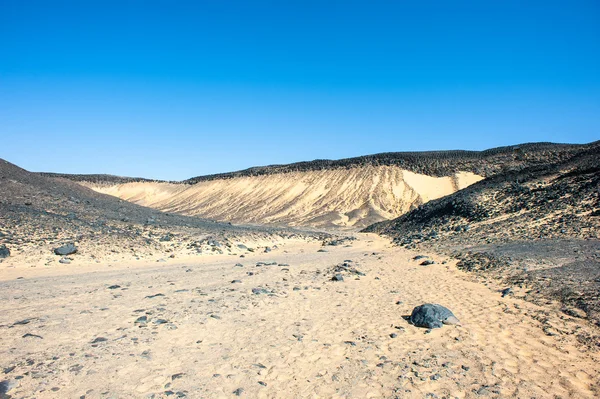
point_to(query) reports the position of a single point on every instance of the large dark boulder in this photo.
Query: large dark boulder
(432, 316)
(67, 249)
(4, 252)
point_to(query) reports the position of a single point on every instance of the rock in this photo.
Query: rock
(142, 320)
(432, 316)
(177, 376)
(419, 257)
(238, 392)
(337, 277)
(5, 387)
(166, 237)
(99, 339)
(506, 292)
(22, 322)
(114, 287)
(575, 312)
(235, 281)
(67, 249)
(28, 335)
(4, 252)
(427, 262)
(258, 291)
(65, 261)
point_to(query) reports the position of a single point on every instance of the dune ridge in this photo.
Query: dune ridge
(354, 197)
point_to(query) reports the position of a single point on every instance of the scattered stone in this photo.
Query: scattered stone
(506, 292)
(432, 316)
(154, 296)
(32, 336)
(166, 237)
(393, 335)
(235, 281)
(4, 252)
(160, 321)
(574, 312)
(238, 265)
(238, 392)
(99, 339)
(114, 287)
(322, 250)
(337, 277)
(176, 376)
(427, 262)
(258, 291)
(22, 322)
(67, 249)
(65, 261)
(5, 387)
(419, 257)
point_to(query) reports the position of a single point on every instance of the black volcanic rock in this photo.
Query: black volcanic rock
(432, 316)
(67, 249)
(4, 252)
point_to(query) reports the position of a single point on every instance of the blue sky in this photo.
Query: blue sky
(175, 89)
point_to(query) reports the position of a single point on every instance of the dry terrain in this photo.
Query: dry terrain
(204, 327)
(328, 198)
(106, 298)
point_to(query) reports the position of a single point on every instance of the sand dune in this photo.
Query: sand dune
(356, 196)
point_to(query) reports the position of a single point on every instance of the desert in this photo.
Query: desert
(299, 199)
(156, 304)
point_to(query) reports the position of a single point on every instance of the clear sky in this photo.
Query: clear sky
(175, 89)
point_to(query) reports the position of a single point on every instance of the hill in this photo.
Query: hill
(39, 213)
(347, 193)
(537, 227)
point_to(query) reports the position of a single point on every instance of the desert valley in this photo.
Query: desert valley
(302, 280)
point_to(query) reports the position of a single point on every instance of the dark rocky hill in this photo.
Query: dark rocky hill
(38, 213)
(538, 226)
(433, 163)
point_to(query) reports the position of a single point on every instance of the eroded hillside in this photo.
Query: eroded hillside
(339, 197)
(349, 193)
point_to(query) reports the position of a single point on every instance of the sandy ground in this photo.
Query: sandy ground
(357, 196)
(301, 336)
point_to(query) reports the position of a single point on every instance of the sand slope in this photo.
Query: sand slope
(207, 337)
(356, 196)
